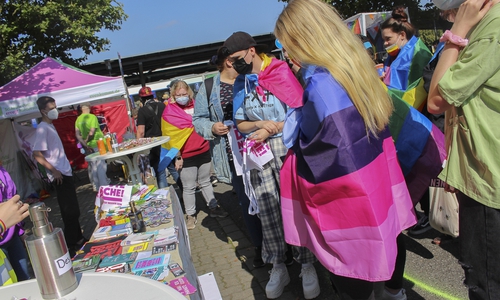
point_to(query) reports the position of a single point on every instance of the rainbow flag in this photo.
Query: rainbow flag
(178, 125)
(404, 76)
(343, 194)
(420, 146)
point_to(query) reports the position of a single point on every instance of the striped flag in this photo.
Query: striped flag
(178, 125)
(343, 194)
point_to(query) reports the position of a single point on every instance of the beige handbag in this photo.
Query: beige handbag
(443, 213)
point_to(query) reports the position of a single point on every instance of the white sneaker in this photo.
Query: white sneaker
(278, 280)
(401, 295)
(310, 283)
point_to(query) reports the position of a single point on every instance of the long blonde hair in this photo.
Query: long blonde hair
(313, 33)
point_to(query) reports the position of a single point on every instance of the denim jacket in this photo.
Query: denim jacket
(206, 114)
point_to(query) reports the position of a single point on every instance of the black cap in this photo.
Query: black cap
(241, 41)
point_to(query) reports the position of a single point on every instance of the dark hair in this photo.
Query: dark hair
(367, 43)
(42, 102)
(399, 22)
(218, 59)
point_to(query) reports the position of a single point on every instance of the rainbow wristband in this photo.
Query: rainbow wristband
(3, 228)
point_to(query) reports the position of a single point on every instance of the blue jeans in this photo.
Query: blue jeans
(18, 257)
(479, 226)
(161, 178)
(175, 174)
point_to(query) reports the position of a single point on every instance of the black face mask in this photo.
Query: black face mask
(242, 67)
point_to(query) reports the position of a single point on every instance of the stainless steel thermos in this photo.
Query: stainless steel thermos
(49, 255)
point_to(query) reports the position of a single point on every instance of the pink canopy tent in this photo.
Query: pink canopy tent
(69, 86)
(66, 84)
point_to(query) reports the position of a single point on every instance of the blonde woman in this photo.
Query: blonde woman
(343, 194)
(190, 151)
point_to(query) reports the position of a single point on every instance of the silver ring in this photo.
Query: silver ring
(20, 203)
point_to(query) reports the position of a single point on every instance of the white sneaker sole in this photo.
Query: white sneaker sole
(313, 293)
(277, 293)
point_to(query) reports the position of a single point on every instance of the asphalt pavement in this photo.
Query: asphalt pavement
(222, 246)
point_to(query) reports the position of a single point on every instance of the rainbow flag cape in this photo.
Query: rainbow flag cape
(178, 125)
(404, 76)
(332, 197)
(420, 146)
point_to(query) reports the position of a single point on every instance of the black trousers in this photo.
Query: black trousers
(70, 211)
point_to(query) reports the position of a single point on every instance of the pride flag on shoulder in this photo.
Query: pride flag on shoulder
(178, 125)
(404, 76)
(343, 195)
(420, 146)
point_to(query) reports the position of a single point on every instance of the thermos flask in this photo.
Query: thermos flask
(49, 255)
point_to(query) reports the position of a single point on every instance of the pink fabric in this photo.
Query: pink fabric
(279, 80)
(353, 234)
(47, 76)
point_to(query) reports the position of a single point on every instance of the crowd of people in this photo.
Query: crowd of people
(325, 118)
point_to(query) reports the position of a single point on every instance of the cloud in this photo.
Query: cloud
(167, 25)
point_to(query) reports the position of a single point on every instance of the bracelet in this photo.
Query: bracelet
(454, 39)
(3, 228)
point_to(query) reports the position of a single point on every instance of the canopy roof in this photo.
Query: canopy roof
(66, 84)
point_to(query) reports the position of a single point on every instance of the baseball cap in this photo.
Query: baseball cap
(145, 91)
(241, 41)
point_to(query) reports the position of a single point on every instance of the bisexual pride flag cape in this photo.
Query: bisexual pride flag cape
(404, 75)
(343, 194)
(178, 125)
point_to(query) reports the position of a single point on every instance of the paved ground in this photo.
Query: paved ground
(222, 246)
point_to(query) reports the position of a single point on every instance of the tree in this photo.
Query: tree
(34, 29)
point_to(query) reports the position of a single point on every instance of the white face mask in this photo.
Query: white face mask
(53, 114)
(182, 100)
(447, 4)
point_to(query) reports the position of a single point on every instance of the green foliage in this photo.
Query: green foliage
(34, 29)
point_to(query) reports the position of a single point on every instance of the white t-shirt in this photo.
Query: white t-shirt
(48, 142)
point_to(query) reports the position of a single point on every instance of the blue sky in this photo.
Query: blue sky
(155, 25)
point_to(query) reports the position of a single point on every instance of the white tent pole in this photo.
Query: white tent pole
(129, 105)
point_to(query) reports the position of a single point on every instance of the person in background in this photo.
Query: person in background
(49, 152)
(210, 112)
(192, 152)
(465, 85)
(10, 240)
(331, 200)
(407, 54)
(263, 91)
(149, 125)
(88, 132)
(12, 212)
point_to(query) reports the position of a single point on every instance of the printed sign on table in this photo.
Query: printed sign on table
(110, 196)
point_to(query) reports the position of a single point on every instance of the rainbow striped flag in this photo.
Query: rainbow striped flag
(343, 194)
(420, 146)
(404, 76)
(178, 125)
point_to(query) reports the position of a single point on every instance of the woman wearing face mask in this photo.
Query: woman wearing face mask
(407, 54)
(210, 112)
(263, 91)
(190, 151)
